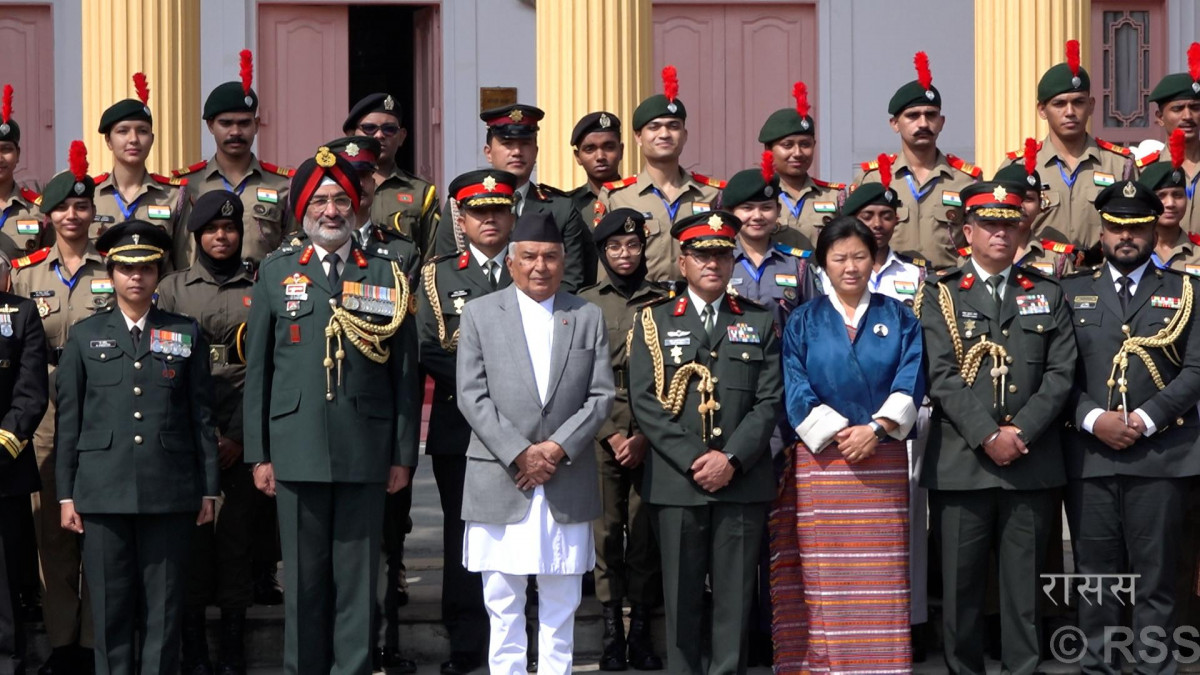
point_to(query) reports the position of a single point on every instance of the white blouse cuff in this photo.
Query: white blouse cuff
(899, 408)
(818, 429)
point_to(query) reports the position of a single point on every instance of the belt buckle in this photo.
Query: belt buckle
(218, 354)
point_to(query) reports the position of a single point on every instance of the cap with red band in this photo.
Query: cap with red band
(513, 121)
(713, 229)
(484, 187)
(308, 177)
(992, 200)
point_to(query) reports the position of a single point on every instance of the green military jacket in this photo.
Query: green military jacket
(346, 423)
(743, 357)
(409, 205)
(21, 227)
(1032, 326)
(135, 425)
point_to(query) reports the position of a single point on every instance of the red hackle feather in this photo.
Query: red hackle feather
(6, 110)
(884, 162)
(247, 70)
(77, 160)
(1194, 61)
(1073, 56)
(143, 89)
(1031, 151)
(800, 93)
(924, 75)
(768, 166)
(1176, 145)
(670, 83)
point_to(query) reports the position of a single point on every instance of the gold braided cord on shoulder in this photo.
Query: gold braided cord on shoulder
(677, 392)
(970, 363)
(429, 277)
(1164, 339)
(920, 297)
(366, 337)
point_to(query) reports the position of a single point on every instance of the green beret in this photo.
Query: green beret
(657, 106)
(869, 194)
(10, 131)
(913, 94)
(129, 109)
(1060, 80)
(1015, 173)
(1162, 175)
(63, 185)
(230, 97)
(1174, 87)
(748, 186)
(783, 123)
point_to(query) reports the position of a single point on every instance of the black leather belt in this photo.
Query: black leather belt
(223, 355)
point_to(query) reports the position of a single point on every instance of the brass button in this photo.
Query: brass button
(137, 440)
(1125, 328)
(1008, 418)
(1039, 328)
(1004, 332)
(716, 431)
(1008, 359)
(137, 391)
(969, 334)
(714, 380)
(1120, 407)
(137, 414)
(1179, 421)
(103, 356)
(137, 365)
(170, 358)
(713, 354)
(1083, 321)
(293, 313)
(1012, 388)
(745, 356)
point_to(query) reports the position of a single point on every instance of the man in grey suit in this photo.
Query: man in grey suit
(535, 384)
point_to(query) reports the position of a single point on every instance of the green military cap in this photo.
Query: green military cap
(234, 96)
(483, 187)
(361, 151)
(9, 129)
(749, 185)
(1024, 172)
(130, 108)
(918, 92)
(994, 201)
(1178, 86)
(666, 104)
(1065, 77)
(714, 229)
(74, 182)
(869, 194)
(789, 121)
(1169, 172)
(134, 241)
(1128, 202)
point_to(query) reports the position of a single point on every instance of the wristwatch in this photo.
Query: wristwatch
(880, 432)
(733, 461)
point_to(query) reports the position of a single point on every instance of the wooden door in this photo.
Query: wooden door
(27, 58)
(303, 58)
(426, 127)
(736, 64)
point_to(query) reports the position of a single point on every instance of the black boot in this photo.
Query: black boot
(195, 644)
(641, 648)
(266, 586)
(613, 657)
(231, 658)
(59, 663)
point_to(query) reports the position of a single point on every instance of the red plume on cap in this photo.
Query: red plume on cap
(924, 76)
(143, 89)
(800, 92)
(884, 162)
(1031, 151)
(670, 83)
(77, 160)
(768, 166)
(1176, 145)
(1194, 61)
(247, 70)
(1073, 56)
(6, 110)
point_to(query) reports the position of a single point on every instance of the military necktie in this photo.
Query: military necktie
(709, 320)
(333, 274)
(518, 203)
(491, 269)
(1123, 293)
(136, 334)
(994, 282)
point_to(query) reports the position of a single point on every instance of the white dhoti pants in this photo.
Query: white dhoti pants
(558, 598)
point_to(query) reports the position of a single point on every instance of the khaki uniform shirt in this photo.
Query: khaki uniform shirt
(1068, 212)
(264, 194)
(585, 202)
(930, 215)
(162, 201)
(802, 214)
(21, 228)
(700, 194)
(414, 203)
(1185, 256)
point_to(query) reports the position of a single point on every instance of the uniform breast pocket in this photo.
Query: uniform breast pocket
(740, 365)
(103, 367)
(1036, 330)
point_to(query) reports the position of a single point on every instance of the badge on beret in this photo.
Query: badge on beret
(804, 124)
(227, 208)
(489, 183)
(930, 95)
(1076, 82)
(389, 103)
(325, 158)
(671, 107)
(79, 188)
(605, 121)
(4, 129)
(714, 223)
(1196, 87)
(249, 101)
(629, 225)
(1000, 194)
(516, 115)
(1129, 191)
(768, 190)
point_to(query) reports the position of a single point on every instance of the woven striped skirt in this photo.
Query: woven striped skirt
(839, 564)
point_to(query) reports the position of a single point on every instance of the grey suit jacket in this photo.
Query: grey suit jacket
(498, 397)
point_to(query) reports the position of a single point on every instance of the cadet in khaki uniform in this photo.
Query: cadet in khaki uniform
(1177, 99)
(1074, 165)
(709, 478)
(663, 192)
(930, 211)
(1001, 360)
(20, 228)
(1051, 258)
(130, 191)
(627, 564)
(215, 291)
(1174, 246)
(403, 202)
(133, 488)
(231, 112)
(806, 203)
(598, 148)
(68, 283)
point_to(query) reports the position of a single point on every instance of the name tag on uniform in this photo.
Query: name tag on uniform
(785, 280)
(736, 281)
(824, 207)
(158, 212)
(1032, 304)
(102, 344)
(267, 195)
(968, 314)
(1103, 179)
(102, 286)
(701, 207)
(951, 198)
(1084, 301)
(1165, 302)
(743, 333)
(104, 220)
(30, 226)
(296, 291)
(41, 294)
(904, 287)
(682, 342)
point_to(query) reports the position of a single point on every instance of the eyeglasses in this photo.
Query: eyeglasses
(319, 204)
(703, 258)
(388, 130)
(632, 248)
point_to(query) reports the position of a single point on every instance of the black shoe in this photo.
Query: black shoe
(392, 663)
(84, 660)
(589, 584)
(266, 589)
(919, 640)
(231, 657)
(641, 648)
(612, 659)
(531, 667)
(460, 665)
(194, 641)
(61, 662)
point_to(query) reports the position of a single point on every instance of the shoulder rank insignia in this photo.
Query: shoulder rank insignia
(734, 305)
(1019, 154)
(100, 178)
(828, 184)
(874, 164)
(277, 170)
(1148, 159)
(967, 282)
(1113, 147)
(359, 258)
(618, 184)
(307, 255)
(1195, 238)
(705, 180)
(964, 166)
(31, 259)
(964, 252)
(163, 180)
(464, 260)
(792, 250)
(1057, 246)
(1025, 282)
(31, 196)
(681, 305)
(180, 173)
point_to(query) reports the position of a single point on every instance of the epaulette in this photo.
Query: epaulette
(1023, 278)
(1148, 159)
(1113, 147)
(964, 166)
(743, 300)
(874, 164)
(180, 173)
(919, 262)
(828, 184)
(163, 180)
(964, 252)
(547, 191)
(1076, 274)
(1194, 237)
(792, 250)
(281, 252)
(276, 169)
(1019, 154)
(1057, 246)
(1033, 271)
(948, 274)
(660, 301)
(31, 196)
(438, 259)
(100, 178)
(31, 259)
(711, 182)
(618, 184)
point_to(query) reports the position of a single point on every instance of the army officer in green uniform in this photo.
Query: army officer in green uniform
(331, 414)
(706, 388)
(137, 455)
(1001, 358)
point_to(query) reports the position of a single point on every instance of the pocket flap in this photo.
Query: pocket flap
(96, 439)
(284, 402)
